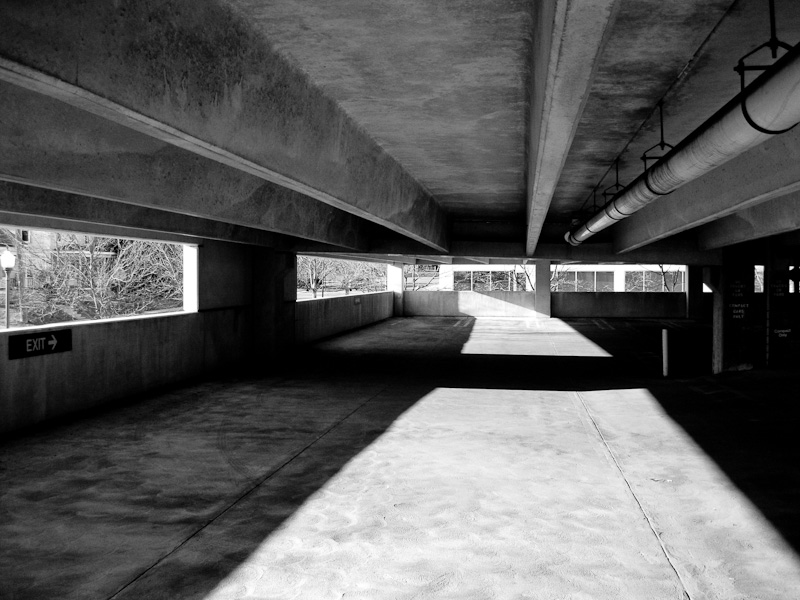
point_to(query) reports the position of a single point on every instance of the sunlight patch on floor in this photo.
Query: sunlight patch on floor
(530, 337)
(720, 541)
(470, 494)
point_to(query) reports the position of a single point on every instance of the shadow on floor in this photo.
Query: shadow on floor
(110, 505)
(746, 421)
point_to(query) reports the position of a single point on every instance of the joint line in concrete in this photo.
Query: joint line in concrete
(247, 492)
(647, 517)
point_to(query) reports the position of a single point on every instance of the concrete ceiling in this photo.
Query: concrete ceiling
(461, 128)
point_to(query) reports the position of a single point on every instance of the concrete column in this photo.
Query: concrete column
(246, 298)
(395, 283)
(190, 275)
(693, 287)
(712, 277)
(739, 340)
(619, 280)
(542, 297)
(781, 326)
(446, 277)
(274, 294)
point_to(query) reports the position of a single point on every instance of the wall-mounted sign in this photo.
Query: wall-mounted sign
(34, 344)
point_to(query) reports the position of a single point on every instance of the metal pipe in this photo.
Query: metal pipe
(771, 104)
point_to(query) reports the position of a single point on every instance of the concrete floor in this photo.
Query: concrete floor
(421, 458)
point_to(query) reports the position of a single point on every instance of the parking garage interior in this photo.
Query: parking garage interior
(408, 444)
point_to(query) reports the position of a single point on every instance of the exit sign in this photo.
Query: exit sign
(36, 344)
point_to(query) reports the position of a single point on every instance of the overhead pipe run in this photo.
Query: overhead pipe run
(768, 106)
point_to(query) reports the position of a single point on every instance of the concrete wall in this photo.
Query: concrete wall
(114, 359)
(245, 317)
(630, 305)
(564, 304)
(474, 304)
(317, 319)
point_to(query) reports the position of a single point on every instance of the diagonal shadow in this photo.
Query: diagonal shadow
(114, 502)
(746, 422)
(119, 503)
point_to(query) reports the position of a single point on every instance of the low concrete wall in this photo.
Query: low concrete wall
(472, 304)
(114, 359)
(323, 317)
(628, 305)
(563, 304)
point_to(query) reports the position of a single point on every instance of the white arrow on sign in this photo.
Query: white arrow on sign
(52, 343)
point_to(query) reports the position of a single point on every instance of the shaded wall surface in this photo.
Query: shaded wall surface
(323, 317)
(112, 360)
(243, 310)
(472, 304)
(627, 305)
(563, 304)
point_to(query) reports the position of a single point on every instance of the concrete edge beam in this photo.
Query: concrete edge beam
(40, 208)
(46, 143)
(254, 111)
(768, 171)
(774, 217)
(672, 252)
(567, 45)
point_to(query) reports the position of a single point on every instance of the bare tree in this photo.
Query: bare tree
(561, 276)
(312, 272)
(75, 277)
(417, 274)
(359, 275)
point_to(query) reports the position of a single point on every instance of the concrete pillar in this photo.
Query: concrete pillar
(246, 297)
(274, 294)
(542, 297)
(781, 326)
(712, 277)
(739, 340)
(190, 275)
(445, 277)
(395, 283)
(693, 287)
(619, 280)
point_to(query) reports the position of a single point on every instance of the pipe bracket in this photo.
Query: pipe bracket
(756, 126)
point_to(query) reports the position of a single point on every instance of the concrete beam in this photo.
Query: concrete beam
(777, 216)
(17, 221)
(569, 40)
(683, 253)
(197, 75)
(768, 171)
(44, 142)
(40, 208)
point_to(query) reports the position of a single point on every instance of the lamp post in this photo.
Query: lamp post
(7, 261)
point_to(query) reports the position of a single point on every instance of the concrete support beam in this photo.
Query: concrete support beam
(682, 253)
(542, 294)
(767, 219)
(569, 39)
(40, 208)
(671, 252)
(63, 148)
(197, 75)
(396, 283)
(764, 173)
